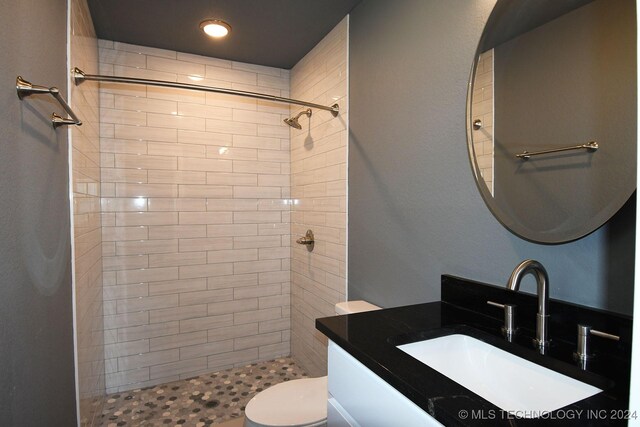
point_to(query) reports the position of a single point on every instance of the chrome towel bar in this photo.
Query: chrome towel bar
(79, 76)
(25, 88)
(591, 146)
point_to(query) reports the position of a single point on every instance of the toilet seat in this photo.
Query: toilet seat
(297, 403)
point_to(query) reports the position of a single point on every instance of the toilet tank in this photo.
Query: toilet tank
(358, 306)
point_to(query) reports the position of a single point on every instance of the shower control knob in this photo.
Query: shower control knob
(307, 240)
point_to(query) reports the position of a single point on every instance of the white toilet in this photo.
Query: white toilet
(297, 403)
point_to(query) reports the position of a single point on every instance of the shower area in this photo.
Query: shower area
(187, 205)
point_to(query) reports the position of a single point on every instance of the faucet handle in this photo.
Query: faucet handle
(509, 329)
(584, 331)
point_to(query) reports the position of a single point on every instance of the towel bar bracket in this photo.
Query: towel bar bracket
(26, 88)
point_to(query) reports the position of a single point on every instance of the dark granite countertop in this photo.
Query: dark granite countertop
(372, 338)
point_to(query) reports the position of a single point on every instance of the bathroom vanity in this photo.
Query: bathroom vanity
(372, 382)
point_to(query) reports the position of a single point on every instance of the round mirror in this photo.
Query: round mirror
(551, 115)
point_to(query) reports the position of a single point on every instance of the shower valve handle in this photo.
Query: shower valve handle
(307, 239)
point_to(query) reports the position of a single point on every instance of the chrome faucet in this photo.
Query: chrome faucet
(542, 280)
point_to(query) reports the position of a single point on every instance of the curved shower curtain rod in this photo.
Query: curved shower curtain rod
(79, 76)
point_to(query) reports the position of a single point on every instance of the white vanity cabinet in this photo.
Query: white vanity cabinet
(358, 397)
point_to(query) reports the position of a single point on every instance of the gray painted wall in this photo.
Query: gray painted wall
(414, 209)
(36, 329)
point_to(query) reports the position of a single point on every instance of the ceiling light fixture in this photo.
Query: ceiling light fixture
(215, 28)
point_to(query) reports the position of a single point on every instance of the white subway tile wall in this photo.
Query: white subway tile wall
(482, 108)
(319, 194)
(196, 217)
(85, 181)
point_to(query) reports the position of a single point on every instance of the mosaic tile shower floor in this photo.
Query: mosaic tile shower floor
(198, 401)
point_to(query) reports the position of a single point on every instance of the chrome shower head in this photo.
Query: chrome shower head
(293, 121)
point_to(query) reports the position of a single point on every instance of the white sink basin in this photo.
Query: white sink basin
(509, 382)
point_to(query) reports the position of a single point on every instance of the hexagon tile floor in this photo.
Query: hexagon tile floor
(198, 401)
